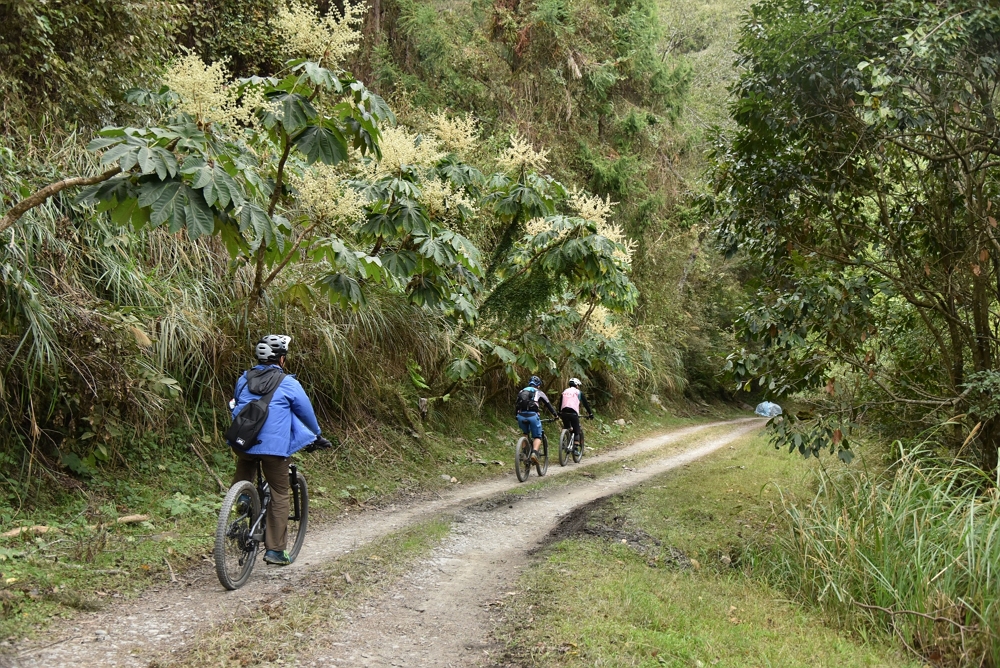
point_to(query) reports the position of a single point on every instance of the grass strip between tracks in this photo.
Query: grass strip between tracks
(661, 576)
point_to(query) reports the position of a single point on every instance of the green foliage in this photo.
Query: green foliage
(144, 293)
(630, 565)
(871, 548)
(182, 504)
(860, 181)
(74, 60)
(241, 32)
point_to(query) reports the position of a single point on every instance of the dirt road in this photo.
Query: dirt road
(438, 615)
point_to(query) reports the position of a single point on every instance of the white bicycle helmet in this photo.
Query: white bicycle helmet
(271, 347)
(574, 382)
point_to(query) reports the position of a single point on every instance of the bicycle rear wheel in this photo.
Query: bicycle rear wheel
(543, 457)
(235, 548)
(522, 458)
(565, 443)
(297, 523)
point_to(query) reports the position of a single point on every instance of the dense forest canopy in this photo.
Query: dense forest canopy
(520, 199)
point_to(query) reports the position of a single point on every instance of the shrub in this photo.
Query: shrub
(912, 551)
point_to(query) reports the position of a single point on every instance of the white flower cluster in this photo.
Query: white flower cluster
(458, 134)
(598, 211)
(323, 193)
(521, 155)
(205, 94)
(443, 200)
(601, 321)
(539, 225)
(403, 148)
(330, 38)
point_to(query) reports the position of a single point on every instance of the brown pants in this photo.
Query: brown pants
(276, 473)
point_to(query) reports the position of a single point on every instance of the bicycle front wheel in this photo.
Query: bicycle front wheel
(297, 522)
(565, 443)
(522, 458)
(543, 457)
(235, 548)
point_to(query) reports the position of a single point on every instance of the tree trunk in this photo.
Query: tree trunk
(989, 441)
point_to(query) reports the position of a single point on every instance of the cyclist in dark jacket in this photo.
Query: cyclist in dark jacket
(526, 409)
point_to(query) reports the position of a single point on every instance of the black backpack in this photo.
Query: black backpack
(526, 401)
(242, 433)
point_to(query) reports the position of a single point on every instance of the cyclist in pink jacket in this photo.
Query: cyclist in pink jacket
(569, 411)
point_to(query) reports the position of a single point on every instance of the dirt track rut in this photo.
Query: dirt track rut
(438, 615)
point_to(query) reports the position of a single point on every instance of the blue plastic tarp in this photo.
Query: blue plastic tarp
(767, 409)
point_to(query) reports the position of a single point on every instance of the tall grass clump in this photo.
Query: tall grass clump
(912, 551)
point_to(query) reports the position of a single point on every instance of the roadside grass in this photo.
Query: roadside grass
(912, 548)
(678, 591)
(276, 630)
(86, 560)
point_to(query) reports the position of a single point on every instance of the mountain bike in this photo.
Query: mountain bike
(567, 446)
(522, 456)
(240, 533)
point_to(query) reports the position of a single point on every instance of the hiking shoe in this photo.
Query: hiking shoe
(534, 456)
(276, 558)
(243, 504)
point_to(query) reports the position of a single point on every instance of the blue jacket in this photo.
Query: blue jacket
(291, 422)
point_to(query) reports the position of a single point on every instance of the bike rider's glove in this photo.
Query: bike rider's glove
(590, 416)
(319, 444)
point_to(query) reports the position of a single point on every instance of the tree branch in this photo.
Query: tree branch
(281, 265)
(39, 196)
(258, 278)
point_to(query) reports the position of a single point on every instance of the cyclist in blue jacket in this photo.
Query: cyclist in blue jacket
(290, 426)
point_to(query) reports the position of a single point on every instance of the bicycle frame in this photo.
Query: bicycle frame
(259, 528)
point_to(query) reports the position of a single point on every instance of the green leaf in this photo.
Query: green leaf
(166, 201)
(218, 186)
(129, 211)
(342, 289)
(254, 218)
(122, 153)
(298, 111)
(505, 355)
(158, 160)
(322, 143)
(200, 218)
(400, 264)
(321, 76)
(99, 143)
(79, 466)
(461, 369)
